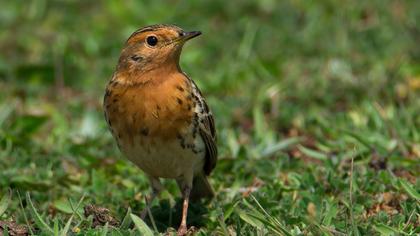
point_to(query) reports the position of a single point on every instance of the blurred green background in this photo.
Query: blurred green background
(298, 88)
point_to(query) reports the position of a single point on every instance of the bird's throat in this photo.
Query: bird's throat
(146, 75)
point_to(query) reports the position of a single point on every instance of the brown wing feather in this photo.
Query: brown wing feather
(207, 129)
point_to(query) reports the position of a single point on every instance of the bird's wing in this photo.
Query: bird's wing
(207, 129)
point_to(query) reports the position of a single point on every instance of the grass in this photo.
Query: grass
(316, 108)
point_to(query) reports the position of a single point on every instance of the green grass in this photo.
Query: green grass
(316, 107)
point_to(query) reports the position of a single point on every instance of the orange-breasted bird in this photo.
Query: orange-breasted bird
(159, 117)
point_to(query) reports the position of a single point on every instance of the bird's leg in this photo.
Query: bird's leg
(149, 200)
(182, 230)
(156, 189)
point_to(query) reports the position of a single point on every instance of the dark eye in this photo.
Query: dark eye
(151, 40)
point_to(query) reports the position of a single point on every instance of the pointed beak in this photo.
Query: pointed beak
(185, 36)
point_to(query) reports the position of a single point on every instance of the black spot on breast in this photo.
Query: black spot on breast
(158, 107)
(144, 131)
(180, 88)
(179, 101)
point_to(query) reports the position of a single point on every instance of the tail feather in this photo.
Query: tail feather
(201, 188)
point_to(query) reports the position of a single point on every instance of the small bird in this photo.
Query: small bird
(159, 117)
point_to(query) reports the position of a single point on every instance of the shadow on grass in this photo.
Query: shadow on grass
(166, 216)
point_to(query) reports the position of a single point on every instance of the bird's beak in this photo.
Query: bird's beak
(185, 36)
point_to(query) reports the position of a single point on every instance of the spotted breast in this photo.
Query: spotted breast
(164, 133)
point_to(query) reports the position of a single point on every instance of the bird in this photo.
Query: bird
(158, 116)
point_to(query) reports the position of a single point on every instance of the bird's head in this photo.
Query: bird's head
(155, 46)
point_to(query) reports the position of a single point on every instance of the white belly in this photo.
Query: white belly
(165, 159)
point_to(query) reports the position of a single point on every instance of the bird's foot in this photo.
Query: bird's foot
(182, 230)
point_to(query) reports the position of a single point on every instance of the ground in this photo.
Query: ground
(316, 107)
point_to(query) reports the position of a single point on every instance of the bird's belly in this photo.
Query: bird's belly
(165, 158)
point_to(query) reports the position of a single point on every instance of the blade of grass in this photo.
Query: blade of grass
(104, 230)
(312, 153)
(387, 230)
(67, 226)
(261, 220)
(24, 214)
(410, 190)
(353, 225)
(5, 232)
(125, 224)
(358, 138)
(75, 209)
(409, 219)
(222, 224)
(331, 212)
(141, 226)
(6, 110)
(4, 202)
(37, 217)
(265, 223)
(250, 220)
(276, 221)
(245, 47)
(56, 227)
(149, 213)
(283, 144)
(228, 212)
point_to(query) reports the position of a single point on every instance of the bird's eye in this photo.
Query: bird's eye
(152, 40)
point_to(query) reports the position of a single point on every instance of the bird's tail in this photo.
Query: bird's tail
(201, 188)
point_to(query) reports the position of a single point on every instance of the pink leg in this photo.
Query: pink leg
(182, 230)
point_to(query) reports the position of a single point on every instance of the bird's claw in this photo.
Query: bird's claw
(182, 230)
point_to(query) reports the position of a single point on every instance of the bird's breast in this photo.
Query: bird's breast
(161, 110)
(154, 122)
